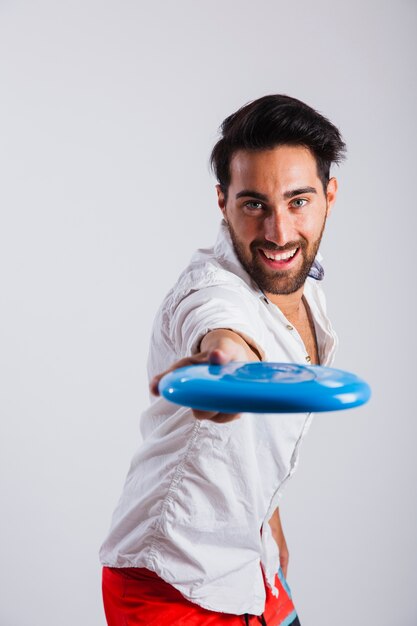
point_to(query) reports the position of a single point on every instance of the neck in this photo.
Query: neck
(289, 304)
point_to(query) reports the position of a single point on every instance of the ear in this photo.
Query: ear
(221, 201)
(331, 194)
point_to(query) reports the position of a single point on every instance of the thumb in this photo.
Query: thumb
(218, 357)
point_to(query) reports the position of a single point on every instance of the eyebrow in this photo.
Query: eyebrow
(299, 192)
(251, 193)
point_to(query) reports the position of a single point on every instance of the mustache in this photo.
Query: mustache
(268, 245)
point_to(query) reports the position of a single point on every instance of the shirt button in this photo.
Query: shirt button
(308, 358)
(289, 327)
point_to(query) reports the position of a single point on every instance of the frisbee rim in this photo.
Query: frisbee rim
(209, 392)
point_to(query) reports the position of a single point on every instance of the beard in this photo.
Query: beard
(277, 282)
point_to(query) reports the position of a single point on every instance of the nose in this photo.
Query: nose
(277, 228)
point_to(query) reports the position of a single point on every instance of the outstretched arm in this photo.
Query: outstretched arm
(217, 347)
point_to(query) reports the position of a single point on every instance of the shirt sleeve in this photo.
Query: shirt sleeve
(211, 308)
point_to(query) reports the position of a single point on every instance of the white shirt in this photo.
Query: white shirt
(198, 494)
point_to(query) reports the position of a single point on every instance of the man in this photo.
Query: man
(196, 537)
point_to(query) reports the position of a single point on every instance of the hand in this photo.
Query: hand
(218, 348)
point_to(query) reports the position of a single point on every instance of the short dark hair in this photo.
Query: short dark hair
(277, 120)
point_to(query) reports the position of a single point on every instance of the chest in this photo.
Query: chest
(308, 335)
(304, 324)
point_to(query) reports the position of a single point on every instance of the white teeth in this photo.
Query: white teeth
(280, 257)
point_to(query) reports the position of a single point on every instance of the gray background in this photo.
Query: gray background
(108, 112)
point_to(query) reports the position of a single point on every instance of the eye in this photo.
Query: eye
(253, 205)
(298, 203)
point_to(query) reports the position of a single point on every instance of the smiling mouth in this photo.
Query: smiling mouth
(278, 257)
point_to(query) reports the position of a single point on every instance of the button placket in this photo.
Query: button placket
(297, 336)
(283, 320)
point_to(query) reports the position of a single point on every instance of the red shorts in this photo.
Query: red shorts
(138, 597)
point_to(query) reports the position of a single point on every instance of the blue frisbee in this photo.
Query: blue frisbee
(264, 387)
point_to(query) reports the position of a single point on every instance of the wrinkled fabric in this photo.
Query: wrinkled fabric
(198, 495)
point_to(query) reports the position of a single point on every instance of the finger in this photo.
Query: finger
(219, 418)
(203, 415)
(189, 360)
(223, 418)
(154, 384)
(218, 357)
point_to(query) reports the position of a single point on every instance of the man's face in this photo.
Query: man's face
(276, 210)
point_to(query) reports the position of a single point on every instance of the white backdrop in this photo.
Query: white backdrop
(108, 112)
